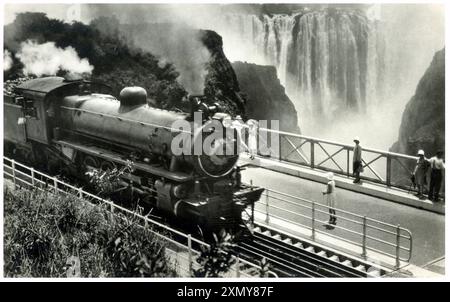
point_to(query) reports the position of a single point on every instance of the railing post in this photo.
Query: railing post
(111, 209)
(32, 177)
(388, 170)
(397, 248)
(280, 157)
(55, 184)
(238, 267)
(13, 167)
(313, 220)
(348, 162)
(267, 206)
(364, 238)
(312, 154)
(190, 254)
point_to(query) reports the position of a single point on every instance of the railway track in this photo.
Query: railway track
(293, 257)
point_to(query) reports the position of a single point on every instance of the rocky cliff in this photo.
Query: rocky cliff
(423, 121)
(266, 98)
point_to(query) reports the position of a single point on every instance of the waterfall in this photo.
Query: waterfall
(328, 60)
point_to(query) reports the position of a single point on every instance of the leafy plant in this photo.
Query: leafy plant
(43, 230)
(106, 182)
(264, 268)
(216, 259)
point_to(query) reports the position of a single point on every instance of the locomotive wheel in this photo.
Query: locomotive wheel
(107, 166)
(90, 162)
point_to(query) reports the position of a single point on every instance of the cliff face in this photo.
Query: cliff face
(221, 83)
(266, 97)
(423, 121)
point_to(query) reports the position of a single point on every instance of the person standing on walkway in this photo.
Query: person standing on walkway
(420, 172)
(437, 169)
(331, 199)
(357, 160)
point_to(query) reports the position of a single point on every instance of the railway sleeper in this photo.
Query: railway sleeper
(327, 255)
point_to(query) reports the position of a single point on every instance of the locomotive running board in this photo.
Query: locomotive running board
(116, 157)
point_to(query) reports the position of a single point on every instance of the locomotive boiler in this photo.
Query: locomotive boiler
(76, 126)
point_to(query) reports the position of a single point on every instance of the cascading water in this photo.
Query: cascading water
(330, 61)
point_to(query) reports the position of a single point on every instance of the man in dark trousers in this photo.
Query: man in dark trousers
(357, 160)
(437, 168)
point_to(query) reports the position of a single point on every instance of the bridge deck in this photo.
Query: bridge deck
(428, 228)
(377, 190)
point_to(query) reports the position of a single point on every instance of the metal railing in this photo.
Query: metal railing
(181, 253)
(367, 233)
(384, 167)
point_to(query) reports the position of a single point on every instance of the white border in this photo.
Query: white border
(261, 280)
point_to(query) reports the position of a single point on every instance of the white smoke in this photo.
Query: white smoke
(7, 60)
(47, 59)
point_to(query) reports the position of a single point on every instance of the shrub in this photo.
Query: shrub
(106, 182)
(216, 259)
(42, 232)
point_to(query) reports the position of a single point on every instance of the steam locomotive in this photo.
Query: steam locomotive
(77, 126)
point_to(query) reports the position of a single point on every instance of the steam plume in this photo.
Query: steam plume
(7, 60)
(47, 59)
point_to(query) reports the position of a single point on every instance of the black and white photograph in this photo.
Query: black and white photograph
(242, 141)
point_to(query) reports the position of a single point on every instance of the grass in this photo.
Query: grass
(43, 232)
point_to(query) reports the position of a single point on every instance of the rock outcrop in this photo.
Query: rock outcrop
(221, 83)
(266, 98)
(423, 121)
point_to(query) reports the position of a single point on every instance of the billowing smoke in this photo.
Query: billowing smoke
(7, 60)
(48, 59)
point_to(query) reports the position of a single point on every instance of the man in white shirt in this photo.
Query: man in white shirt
(437, 168)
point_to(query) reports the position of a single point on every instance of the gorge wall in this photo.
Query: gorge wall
(265, 96)
(423, 121)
